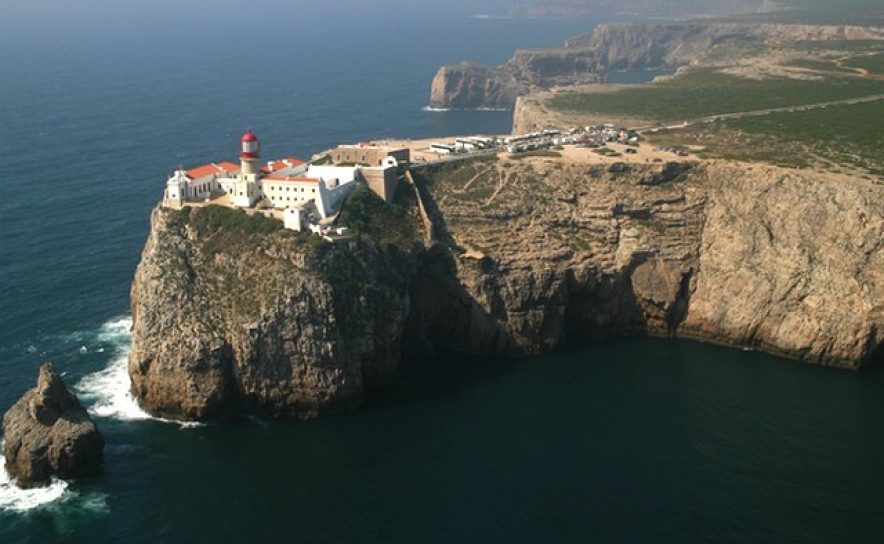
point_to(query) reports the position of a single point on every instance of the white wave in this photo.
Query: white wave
(15, 499)
(108, 392)
(438, 110)
(57, 493)
(118, 332)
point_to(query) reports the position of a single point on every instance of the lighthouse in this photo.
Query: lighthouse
(251, 154)
(247, 190)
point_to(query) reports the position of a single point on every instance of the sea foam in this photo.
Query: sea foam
(15, 499)
(108, 392)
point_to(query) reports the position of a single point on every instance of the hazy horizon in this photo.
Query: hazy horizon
(47, 18)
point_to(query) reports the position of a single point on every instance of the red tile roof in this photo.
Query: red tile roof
(209, 169)
(282, 164)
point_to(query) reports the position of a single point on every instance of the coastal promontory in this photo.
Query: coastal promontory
(590, 58)
(233, 314)
(521, 255)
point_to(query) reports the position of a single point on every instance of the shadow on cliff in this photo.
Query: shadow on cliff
(624, 304)
(444, 315)
(876, 361)
(457, 302)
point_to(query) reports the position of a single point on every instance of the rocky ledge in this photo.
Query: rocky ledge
(524, 256)
(589, 58)
(48, 433)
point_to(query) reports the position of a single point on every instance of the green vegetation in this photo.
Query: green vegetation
(366, 213)
(607, 152)
(213, 219)
(819, 65)
(707, 92)
(873, 63)
(826, 137)
(844, 135)
(220, 227)
(535, 153)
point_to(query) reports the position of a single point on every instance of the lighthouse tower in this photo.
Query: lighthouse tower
(251, 153)
(247, 190)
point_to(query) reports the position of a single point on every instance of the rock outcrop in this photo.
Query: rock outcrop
(468, 85)
(589, 58)
(48, 433)
(528, 255)
(226, 322)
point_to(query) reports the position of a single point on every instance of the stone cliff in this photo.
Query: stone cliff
(529, 255)
(587, 59)
(785, 261)
(227, 320)
(48, 433)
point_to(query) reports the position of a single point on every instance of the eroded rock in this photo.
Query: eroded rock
(48, 433)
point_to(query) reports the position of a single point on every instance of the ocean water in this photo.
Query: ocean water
(623, 441)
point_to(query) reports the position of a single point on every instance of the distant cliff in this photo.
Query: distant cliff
(588, 59)
(528, 256)
(644, 8)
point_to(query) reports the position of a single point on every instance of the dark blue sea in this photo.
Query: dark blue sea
(627, 441)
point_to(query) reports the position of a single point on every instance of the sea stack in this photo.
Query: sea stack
(48, 433)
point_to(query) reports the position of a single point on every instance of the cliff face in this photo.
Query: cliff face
(641, 46)
(467, 84)
(528, 255)
(792, 263)
(588, 58)
(750, 256)
(262, 324)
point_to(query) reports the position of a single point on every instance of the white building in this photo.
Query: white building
(198, 183)
(282, 184)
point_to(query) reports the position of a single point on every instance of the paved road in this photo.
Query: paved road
(458, 157)
(755, 113)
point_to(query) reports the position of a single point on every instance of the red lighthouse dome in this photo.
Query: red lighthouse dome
(251, 147)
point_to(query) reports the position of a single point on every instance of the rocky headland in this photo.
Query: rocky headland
(519, 256)
(589, 58)
(228, 320)
(48, 433)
